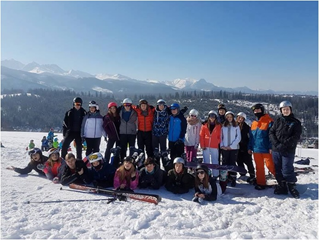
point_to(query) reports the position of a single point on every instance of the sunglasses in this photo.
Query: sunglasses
(77, 104)
(127, 104)
(193, 116)
(200, 172)
(212, 115)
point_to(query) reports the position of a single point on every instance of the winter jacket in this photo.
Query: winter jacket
(177, 127)
(71, 175)
(128, 127)
(132, 184)
(285, 134)
(32, 165)
(152, 180)
(179, 183)
(210, 192)
(111, 126)
(235, 137)
(104, 176)
(145, 119)
(92, 125)
(245, 133)
(210, 140)
(161, 120)
(192, 131)
(52, 171)
(259, 136)
(73, 120)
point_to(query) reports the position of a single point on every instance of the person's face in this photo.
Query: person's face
(240, 119)
(77, 106)
(178, 167)
(54, 156)
(212, 117)
(229, 117)
(92, 109)
(95, 164)
(161, 106)
(113, 110)
(257, 110)
(221, 111)
(201, 174)
(36, 157)
(127, 165)
(71, 162)
(149, 167)
(286, 111)
(174, 111)
(143, 107)
(127, 106)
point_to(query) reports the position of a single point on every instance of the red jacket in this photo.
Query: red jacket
(207, 139)
(145, 123)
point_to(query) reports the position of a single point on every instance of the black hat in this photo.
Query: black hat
(129, 159)
(202, 166)
(222, 106)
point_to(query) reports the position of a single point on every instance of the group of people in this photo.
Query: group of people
(223, 135)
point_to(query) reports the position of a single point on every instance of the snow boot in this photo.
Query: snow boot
(292, 189)
(251, 180)
(281, 188)
(233, 180)
(260, 187)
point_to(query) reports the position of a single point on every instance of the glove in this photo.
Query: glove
(40, 167)
(179, 142)
(196, 145)
(55, 180)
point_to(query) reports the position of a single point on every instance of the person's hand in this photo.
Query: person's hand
(179, 142)
(250, 152)
(122, 186)
(55, 180)
(81, 171)
(196, 145)
(40, 167)
(133, 174)
(201, 195)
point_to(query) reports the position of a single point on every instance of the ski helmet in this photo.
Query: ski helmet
(55, 139)
(203, 167)
(193, 112)
(161, 101)
(175, 106)
(93, 104)
(229, 112)
(127, 100)
(77, 100)
(241, 114)
(285, 104)
(179, 160)
(53, 151)
(94, 157)
(112, 104)
(142, 101)
(258, 106)
(212, 113)
(35, 151)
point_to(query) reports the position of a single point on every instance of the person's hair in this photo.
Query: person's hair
(51, 162)
(149, 160)
(233, 123)
(113, 116)
(69, 155)
(205, 180)
(209, 121)
(125, 174)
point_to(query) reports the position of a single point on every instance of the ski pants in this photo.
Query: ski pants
(245, 158)
(144, 140)
(92, 145)
(109, 145)
(69, 137)
(230, 158)
(284, 167)
(159, 141)
(124, 140)
(191, 153)
(210, 155)
(260, 160)
(176, 150)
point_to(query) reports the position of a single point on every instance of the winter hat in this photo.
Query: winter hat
(203, 167)
(222, 106)
(112, 104)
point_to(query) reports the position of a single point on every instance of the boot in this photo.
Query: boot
(281, 188)
(251, 180)
(223, 185)
(233, 180)
(292, 189)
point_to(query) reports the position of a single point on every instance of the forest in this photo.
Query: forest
(41, 109)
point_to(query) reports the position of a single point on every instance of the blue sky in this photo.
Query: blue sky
(261, 45)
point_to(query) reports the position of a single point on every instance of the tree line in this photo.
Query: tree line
(41, 109)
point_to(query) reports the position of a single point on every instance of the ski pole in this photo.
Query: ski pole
(74, 200)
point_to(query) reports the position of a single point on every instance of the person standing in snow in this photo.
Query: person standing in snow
(72, 128)
(92, 129)
(260, 145)
(192, 135)
(284, 136)
(243, 156)
(206, 187)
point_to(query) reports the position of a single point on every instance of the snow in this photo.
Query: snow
(241, 213)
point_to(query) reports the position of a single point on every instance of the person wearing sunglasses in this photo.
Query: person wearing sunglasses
(192, 135)
(36, 158)
(127, 127)
(206, 187)
(72, 127)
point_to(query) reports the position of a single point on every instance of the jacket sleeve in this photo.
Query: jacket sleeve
(25, 170)
(83, 125)
(235, 143)
(65, 123)
(68, 177)
(116, 182)
(294, 137)
(202, 137)
(134, 183)
(272, 135)
(183, 127)
(213, 195)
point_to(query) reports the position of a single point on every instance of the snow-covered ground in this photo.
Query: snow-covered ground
(241, 213)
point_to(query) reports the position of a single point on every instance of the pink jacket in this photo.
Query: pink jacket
(132, 185)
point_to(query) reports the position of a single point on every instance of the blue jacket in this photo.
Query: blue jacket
(177, 127)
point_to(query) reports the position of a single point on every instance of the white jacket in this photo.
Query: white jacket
(235, 137)
(192, 134)
(92, 126)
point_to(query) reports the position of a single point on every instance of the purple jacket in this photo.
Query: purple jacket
(132, 185)
(111, 126)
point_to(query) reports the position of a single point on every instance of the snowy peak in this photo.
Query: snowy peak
(13, 64)
(105, 76)
(182, 83)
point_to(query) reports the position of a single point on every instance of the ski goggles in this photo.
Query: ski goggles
(77, 104)
(127, 104)
(212, 115)
(34, 151)
(200, 172)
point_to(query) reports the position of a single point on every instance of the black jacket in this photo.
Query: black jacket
(69, 176)
(285, 134)
(243, 144)
(152, 181)
(179, 183)
(73, 120)
(212, 196)
(32, 166)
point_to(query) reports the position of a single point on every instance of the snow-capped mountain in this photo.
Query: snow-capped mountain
(105, 76)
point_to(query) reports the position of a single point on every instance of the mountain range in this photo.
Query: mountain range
(16, 75)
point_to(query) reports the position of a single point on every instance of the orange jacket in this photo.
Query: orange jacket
(145, 123)
(207, 139)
